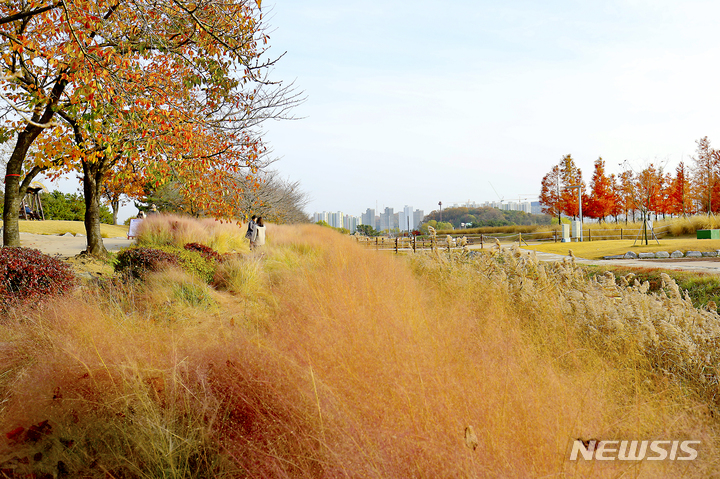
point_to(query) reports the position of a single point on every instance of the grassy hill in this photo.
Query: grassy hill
(313, 357)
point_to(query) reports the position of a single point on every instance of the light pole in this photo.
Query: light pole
(440, 204)
(579, 187)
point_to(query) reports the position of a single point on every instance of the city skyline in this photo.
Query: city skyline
(408, 219)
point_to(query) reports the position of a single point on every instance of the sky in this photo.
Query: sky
(416, 102)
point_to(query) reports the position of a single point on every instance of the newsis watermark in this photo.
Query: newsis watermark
(658, 450)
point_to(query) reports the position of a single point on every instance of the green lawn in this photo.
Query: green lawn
(598, 249)
(701, 287)
(74, 227)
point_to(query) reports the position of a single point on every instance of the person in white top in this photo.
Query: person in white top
(258, 236)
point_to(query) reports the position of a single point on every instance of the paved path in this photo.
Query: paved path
(700, 266)
(67, 245)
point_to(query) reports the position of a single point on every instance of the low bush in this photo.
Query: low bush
(206, 251)
(193, 262)
(138, 261)
(27, 275)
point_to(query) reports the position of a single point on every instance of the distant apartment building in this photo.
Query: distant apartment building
(337, 219)
(324, 216)
(418, 216)
(351, 223)
(368, 218)
(406, 219)
(510, 206)
(536, 208)
(515, 206)
(388, 220)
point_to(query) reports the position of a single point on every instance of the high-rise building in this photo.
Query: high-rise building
(407, 221)
(418, 216)
(351, 223)
(387, 220)
(321, 217)
(368, 218)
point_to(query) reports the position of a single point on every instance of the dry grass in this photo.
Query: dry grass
(54, 227)
(176, 230)
(317, 358)
(598, 249)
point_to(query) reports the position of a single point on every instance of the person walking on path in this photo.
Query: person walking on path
(258, 238)
(251, 229)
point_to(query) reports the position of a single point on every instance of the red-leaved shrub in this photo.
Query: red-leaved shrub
(138, 261)
(206, 251)
(27, 275)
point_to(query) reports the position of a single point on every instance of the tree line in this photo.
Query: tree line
(475, 217)
(134, 96)
(689, 189)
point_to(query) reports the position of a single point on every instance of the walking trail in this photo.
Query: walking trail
(68, 246)
(701, 265)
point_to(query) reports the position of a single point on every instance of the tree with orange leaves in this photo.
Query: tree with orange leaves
(706, 176)
(570, 176)
(648, 186)
(601, 202)
(627, 194)
(679, 192)
(617, 205)
(114, 88)
(550, 193)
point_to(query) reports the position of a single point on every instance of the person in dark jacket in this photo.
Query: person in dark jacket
(251, 228)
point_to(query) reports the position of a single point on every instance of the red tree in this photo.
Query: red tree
(570, 176)
(679, 193)
(550, 197)
(601, 202)
(706, 173)
(626, 194)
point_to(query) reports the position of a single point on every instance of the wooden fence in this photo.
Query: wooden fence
(404, 244)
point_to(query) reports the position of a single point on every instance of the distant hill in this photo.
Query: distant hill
(487, 216)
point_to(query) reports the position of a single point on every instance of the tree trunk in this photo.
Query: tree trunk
(92, 180)
(16, 185)
(14, 189)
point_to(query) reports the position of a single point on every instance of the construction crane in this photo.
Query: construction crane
(498, 194)
(526, 196)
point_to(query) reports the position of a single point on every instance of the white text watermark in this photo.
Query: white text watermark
(634, 450)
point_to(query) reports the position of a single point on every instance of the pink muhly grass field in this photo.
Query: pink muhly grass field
(319, 358)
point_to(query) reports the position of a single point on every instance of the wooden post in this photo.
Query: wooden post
(414, 244)
(620, 233)
(482, 241)
(396, 244)
(589, 234)
(555, 236)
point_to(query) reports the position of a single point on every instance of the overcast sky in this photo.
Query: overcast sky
(415, 102)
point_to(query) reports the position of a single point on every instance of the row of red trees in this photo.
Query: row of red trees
(687, 190)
